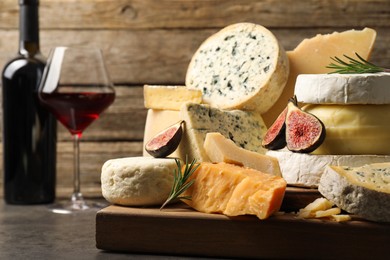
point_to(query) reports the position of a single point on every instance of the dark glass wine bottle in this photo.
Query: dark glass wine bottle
(29, 130)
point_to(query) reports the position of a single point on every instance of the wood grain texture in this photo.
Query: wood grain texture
(147, 14)
(160, 56)
(214, 235)
(152, 42)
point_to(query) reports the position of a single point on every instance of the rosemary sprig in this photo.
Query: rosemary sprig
(354, 66)
(180, 180)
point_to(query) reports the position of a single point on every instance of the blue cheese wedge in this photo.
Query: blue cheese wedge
(364, 191)
(243, 66)
(246, 129)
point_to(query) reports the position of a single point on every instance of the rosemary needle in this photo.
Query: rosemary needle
(180, 180)
(354, 66)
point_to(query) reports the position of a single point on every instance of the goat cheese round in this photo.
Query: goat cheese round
(137, 181)
(243, 66)
(364, 191)
(368, 88)
(305, 170)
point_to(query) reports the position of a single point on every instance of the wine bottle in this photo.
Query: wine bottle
(29, 130)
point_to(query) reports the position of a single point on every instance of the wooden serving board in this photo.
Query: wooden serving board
(179, 230)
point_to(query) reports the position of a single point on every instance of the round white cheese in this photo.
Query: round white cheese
(369, 88)
(353, 129)
(364, 191)
(300, 169)
(137, 181)
(243, 66)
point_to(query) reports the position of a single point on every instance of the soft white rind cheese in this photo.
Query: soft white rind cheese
(243, 66)
(364, 191)
(305, 170)
(137, 181)
(246, 129)
(369, 88)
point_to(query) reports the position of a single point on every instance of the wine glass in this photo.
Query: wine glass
(75, 87)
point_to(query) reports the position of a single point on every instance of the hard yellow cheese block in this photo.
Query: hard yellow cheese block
(353, 129)
(221, 149)
(234, 190)
(312, 56)
(170, 97)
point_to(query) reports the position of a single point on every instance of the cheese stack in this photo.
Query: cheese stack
(355, 109)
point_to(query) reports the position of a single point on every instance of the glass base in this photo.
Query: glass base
(76, 204)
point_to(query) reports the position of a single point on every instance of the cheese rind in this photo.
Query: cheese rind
(368, 88)
(242, 66)
(305, 170)
(221, 149)
(169, 97)
(246, 129)
(353, 129)
(137, 181)
(234, 190)
(364, 191)
(312, 56)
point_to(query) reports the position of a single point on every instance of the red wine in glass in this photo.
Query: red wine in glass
(77, 110)
(75, 87)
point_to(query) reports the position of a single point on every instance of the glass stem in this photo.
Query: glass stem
(76, 181)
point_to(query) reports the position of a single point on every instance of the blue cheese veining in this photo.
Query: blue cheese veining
(364, 190)
(244, 128)
(241, 67)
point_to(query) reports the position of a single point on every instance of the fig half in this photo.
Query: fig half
(275, 137)
(304, 131)
(165, 142)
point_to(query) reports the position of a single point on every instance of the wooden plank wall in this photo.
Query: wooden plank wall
(147, 41)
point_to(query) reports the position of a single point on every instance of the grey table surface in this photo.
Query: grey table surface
(34, 232)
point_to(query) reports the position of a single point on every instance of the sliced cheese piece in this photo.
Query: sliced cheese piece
(137, 181)
(234, 190)
(169, 97)
(368, 88)
(327, 212)
(353, 129)
(243, 66)
(318, 204)
(221, 149)
(246, 129)
(340, 217)
(364, 191)
(157, 121)
(305, 170)
(312, 56)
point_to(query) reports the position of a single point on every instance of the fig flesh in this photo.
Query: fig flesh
(166, 141)
(304, 131)
(275, 137)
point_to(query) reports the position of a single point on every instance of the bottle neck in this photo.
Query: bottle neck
(29, 28)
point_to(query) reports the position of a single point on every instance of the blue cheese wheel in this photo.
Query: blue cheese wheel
(243, 66)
